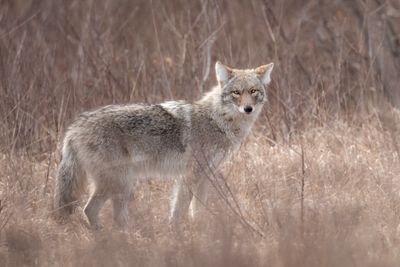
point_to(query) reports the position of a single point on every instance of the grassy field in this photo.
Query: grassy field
(316, 184)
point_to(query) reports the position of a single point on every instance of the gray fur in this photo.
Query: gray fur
(116, 145)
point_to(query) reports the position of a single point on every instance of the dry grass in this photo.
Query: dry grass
(317, 183)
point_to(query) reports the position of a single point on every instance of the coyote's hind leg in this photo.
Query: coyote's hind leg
(93, 207)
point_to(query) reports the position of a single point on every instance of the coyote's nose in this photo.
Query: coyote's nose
(248, 109)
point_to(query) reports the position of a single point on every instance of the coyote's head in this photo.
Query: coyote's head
(243, 89)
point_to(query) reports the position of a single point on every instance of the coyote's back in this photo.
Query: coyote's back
(115, 145)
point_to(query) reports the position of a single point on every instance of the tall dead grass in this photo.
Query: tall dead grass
(317, 183)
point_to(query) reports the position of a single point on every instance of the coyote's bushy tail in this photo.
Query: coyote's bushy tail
(68, 182)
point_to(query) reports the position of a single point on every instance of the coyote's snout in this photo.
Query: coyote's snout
(115, 145)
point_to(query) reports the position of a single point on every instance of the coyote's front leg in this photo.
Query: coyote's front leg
(200, 194)
(182, 195)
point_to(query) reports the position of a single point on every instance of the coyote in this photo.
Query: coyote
(115, 145)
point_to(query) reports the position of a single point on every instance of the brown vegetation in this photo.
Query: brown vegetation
(317, 183)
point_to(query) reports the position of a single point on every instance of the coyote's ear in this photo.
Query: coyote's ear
(224, 73)
(264, 73)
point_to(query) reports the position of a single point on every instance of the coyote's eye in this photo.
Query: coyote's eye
(253, 91)
(236, 93)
